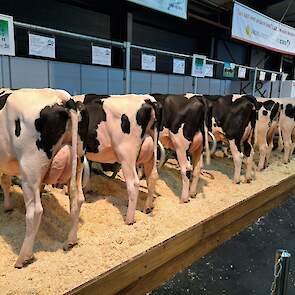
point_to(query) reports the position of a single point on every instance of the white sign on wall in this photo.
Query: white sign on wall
(256, 28)
(41, 46)
(148, 62)
(209, 70)
(6, 35)
(101, 55)
(174, 7)
(178, 66)
(199, 65)
(273, 77)
(284, 76)
(261, 76)
(242, 72)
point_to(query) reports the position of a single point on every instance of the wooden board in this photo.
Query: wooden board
(150, 269)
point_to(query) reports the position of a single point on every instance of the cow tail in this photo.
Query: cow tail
(254, 117)
(74, 114)
(207, 120)
(280, 142)
(86, 172)
(207, 150)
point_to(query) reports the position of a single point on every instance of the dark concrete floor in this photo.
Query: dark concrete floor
(243, 265)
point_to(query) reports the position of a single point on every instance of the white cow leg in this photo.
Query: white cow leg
(262, 156)
(132, 183)
(5, 184)
(76, 202)
(151, 178)
(287, 145)
(237, 158)
(268, 153)
(185, 170)
(197, 162)
(34, 212)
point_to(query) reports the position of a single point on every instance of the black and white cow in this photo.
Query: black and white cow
(266, 126)
(123, 129)
(184, 131)
(233, 121)
(36, 128)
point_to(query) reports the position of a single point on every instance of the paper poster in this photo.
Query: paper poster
(261, 76)
(178, 66)
(148, 62)
(6, 35)
(229, 70)
(41, 46)
(284, 76)
(242, 72)
(101, 55)
(273, 77)
(199, 65)
(209, 70)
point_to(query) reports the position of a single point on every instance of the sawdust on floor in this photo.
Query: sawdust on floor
(104, 240)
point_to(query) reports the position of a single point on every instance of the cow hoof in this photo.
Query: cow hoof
(148, 210)
(237, 182)
(20, 263)
(68, 246)
(184, 201)
(130, 222)
(193, 196)
(8, 210)
(248, 180)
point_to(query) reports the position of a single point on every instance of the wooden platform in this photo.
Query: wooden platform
(150, 269)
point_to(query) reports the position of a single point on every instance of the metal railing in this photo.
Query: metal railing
(128, 46)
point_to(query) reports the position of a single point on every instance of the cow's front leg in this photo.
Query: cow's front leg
(237, 158)
(262, 156)
(5, 184)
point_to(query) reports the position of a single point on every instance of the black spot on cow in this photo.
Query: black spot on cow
(247, 149)
(17, 128)
(125, 124)
(51, 125)
(289, 111)
(70, 104)
(143, 116)
(3, 99)
(82, 159)
(264, 113)
(188, 174)
(96, 113)
(274, 111)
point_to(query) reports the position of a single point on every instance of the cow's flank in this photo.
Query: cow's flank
(143, 117)
(17, 128)
(125, 124)
(51, 125)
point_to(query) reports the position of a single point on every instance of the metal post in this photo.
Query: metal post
(127, 69)
(281, 272)
(254, 81)
(195, 85)
(281, 85)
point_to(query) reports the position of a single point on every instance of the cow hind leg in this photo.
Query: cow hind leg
(151, 178)
(76, 201)
(5, 184)
(263, 148)
(185, 170)
(237, 161)
(287, 145)
(249, 153)
(31, 189)
(196, 157)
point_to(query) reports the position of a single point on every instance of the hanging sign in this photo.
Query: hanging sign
(273, 77)
(101, 55)
(6, 35)
(256, 28)
(261, 76)
(174, 7)
(178, 66)
(148, 62)
(284, 76)
(41, 46)
(242, 72)
(209, 70)
(229, 70)
(199, 65)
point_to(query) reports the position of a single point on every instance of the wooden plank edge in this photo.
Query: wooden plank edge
(160, 275)
(130, 271)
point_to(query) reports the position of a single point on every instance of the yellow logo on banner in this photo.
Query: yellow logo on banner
(248, 31)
